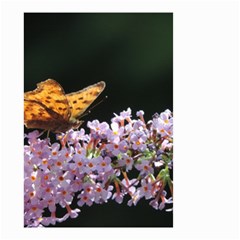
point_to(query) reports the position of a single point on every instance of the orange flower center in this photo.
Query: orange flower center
(54, 153)
(103, 164)
(90, 165)
(61, 178)
(59, 164)
(44, 161)
(33, 178)
(138, 143)
(145, 167)
(128, 161)
(31, 194)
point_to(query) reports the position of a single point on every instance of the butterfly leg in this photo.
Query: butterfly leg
(40, 134)
(48, 131)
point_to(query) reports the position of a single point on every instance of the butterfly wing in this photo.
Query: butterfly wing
(37, 116)
(81, 100)
(50, 95)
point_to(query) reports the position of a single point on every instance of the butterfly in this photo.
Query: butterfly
(49, 108)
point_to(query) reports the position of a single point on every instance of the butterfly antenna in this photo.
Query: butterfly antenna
(102, 100)
(89, 111)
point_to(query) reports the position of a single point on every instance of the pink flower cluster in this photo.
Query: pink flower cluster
(95, 167)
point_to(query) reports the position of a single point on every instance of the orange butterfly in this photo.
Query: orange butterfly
(49, 108)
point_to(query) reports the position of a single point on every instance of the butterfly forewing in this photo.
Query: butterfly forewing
(81, 100)
(50, 94)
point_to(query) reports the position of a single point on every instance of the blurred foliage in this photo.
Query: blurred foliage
(131, 52)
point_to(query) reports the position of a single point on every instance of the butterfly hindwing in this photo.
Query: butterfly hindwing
(37, 116)
(81, 100)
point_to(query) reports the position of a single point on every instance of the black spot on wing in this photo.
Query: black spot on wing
(95, 93)
(86, 102)
(61, 101)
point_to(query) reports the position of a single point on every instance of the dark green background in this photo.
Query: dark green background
(131, 52)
